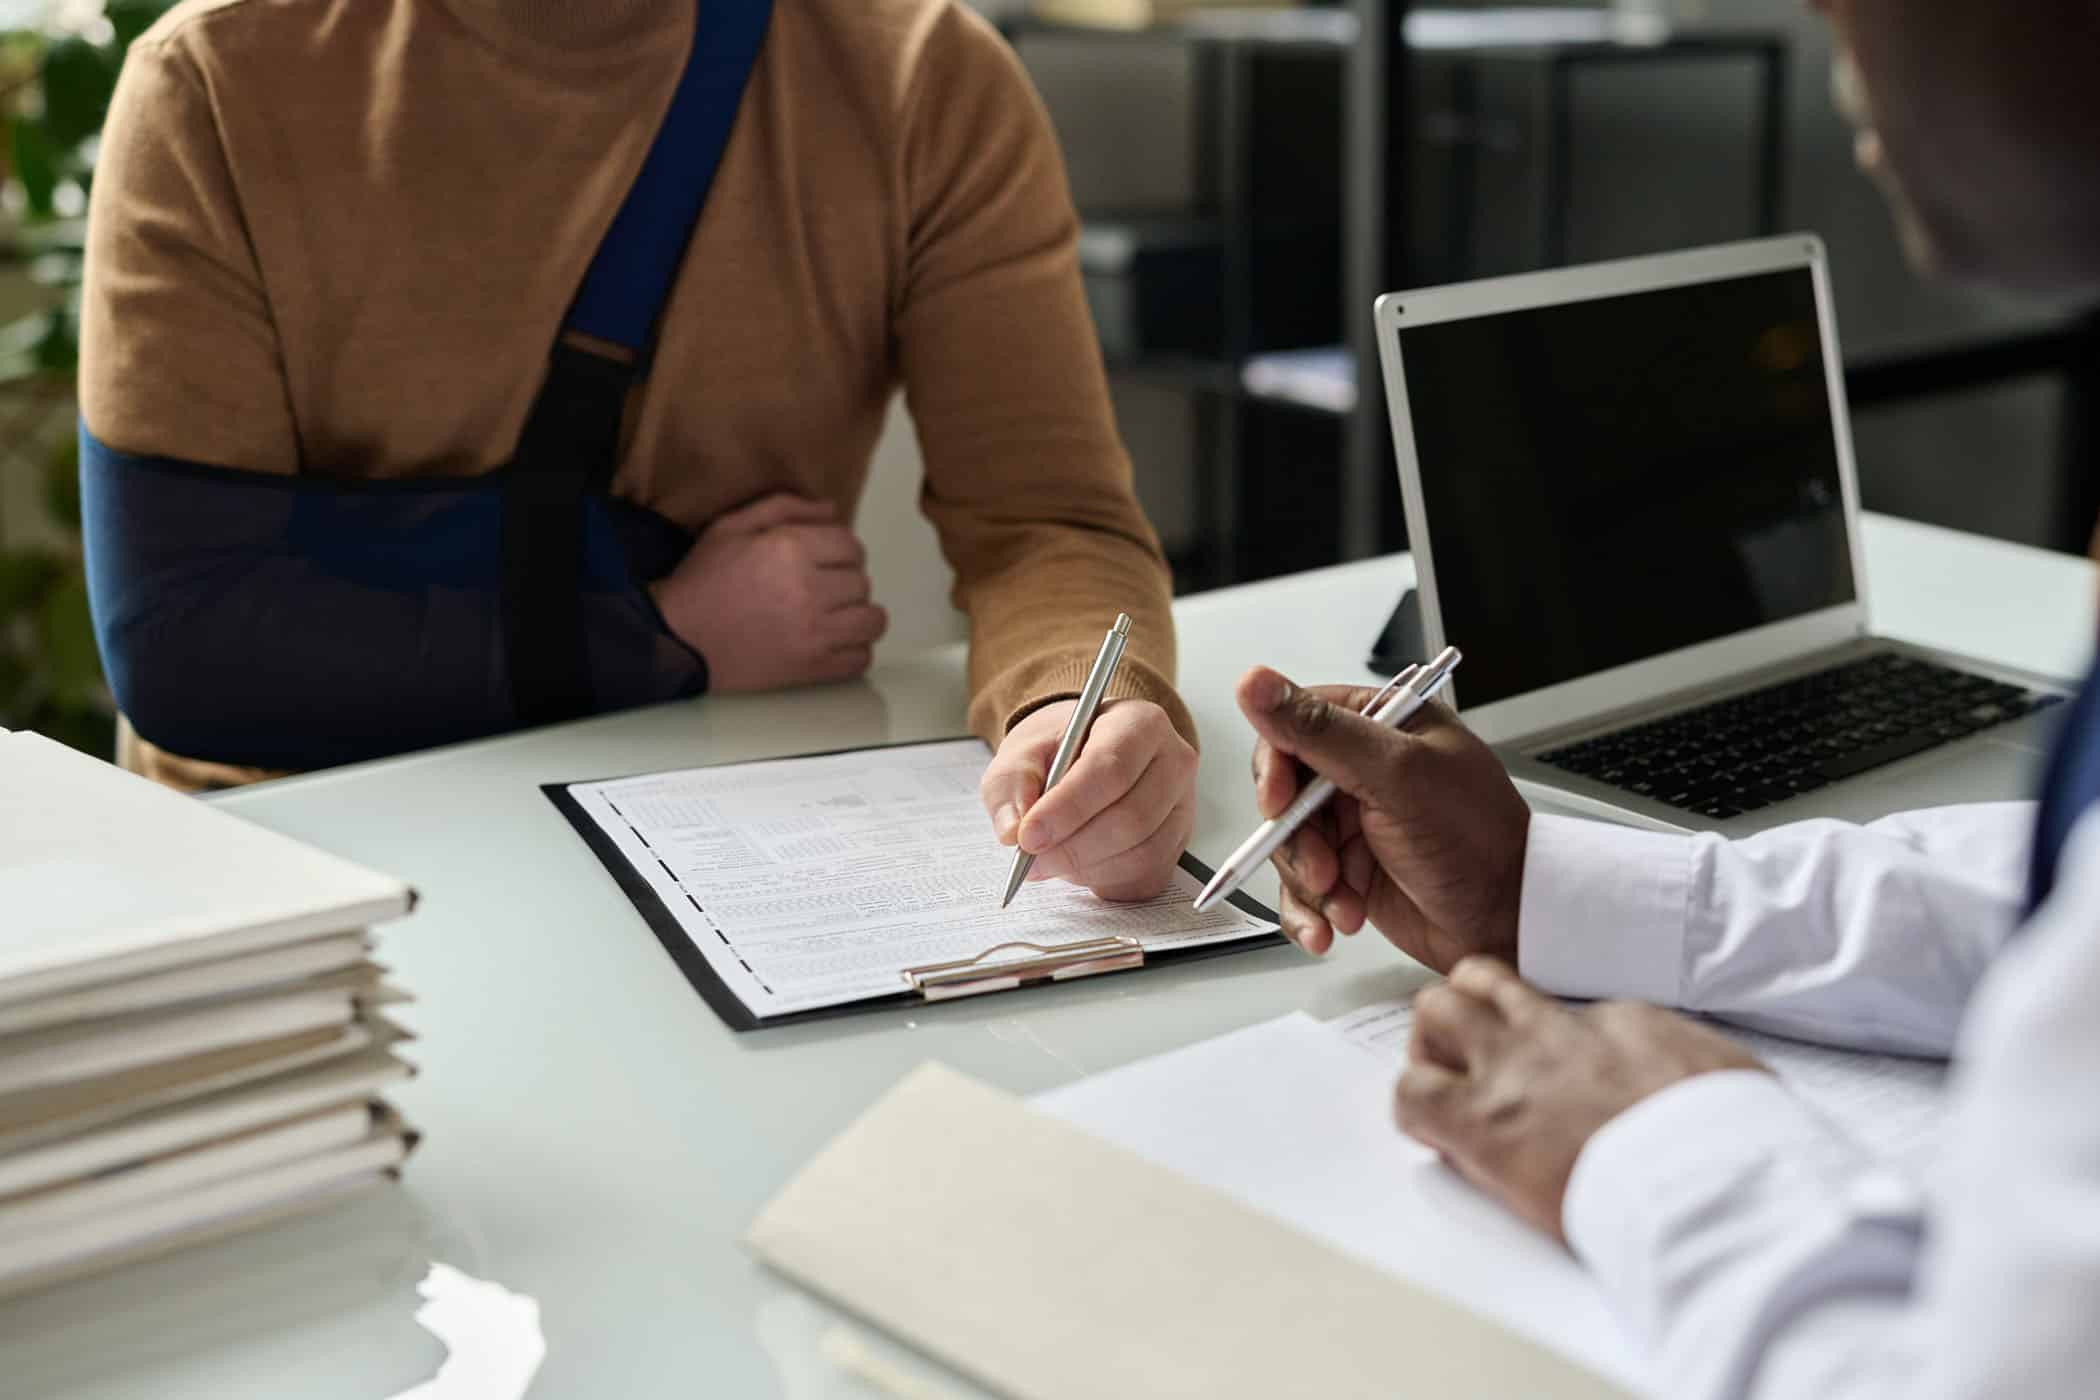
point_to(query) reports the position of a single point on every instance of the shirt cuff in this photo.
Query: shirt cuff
(1644, 1174)
(1602, 913)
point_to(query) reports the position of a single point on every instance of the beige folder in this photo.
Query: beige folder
(155, 1132)
(272, 969)
(1049, 1265)
(207, 1211)
(61, 1111)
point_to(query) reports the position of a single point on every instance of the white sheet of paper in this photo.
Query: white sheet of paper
(1888, 1104)
(808, 882)
(1293, 1120)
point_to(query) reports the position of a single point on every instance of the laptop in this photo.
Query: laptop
(1631, 499)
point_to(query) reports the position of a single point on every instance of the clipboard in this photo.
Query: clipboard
(999, 967)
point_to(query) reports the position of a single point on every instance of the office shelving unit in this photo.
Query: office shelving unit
(1373, 50)
(2067, 352)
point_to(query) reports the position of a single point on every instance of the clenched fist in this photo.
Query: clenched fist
(774, 594)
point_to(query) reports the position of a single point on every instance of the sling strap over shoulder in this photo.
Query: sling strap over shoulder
(571, 439)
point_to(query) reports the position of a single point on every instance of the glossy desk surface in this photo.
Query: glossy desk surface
(597, 1139)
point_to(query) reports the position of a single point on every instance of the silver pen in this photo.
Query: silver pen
(1392, 706)
(1105, 662)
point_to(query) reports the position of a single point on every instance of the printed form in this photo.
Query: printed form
(809, 882)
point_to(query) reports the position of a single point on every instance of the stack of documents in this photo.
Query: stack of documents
(192, 1029)
(1270, 1231)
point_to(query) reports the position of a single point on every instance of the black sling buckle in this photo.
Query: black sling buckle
(571, 441)
(565, 454)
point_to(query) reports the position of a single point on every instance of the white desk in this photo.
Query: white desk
(598, 1140)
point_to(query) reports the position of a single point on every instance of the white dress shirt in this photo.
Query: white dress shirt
(1750, 1245)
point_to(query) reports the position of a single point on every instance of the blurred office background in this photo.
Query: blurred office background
(1245, 177)
(1656, 140)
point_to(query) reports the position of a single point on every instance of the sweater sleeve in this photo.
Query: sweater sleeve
(246, 615)
(179, 356)
(1027, 482)
(170, 269)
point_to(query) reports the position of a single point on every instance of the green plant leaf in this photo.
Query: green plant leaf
(62, 483)
(131, 18)
(91, 728)
(26, 575)
(78, 79)
(66, 636)
(58, 348)
(33, 347)
(14, 688)
(59, 267)
(19, 336)
(59, 235)
(35, 165)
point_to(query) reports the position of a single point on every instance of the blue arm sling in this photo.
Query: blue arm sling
(295, 622)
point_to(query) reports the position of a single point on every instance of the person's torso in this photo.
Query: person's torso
(424, 185)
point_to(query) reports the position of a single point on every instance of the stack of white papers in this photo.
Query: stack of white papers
(193, 1036)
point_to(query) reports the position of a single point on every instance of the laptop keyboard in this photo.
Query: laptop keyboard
(1765, 746)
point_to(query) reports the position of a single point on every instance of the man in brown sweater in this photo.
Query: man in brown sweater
(336, 239)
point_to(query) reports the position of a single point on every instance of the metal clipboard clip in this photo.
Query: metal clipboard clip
(988, 972)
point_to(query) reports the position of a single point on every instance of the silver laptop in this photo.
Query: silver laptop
(1631, 501)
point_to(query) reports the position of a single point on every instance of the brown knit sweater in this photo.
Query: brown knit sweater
(337, 237)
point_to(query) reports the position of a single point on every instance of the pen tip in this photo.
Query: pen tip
(1221, 884)
(1016, 876)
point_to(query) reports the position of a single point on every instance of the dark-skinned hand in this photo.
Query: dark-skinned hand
(1425, 839)
(1509, 1085)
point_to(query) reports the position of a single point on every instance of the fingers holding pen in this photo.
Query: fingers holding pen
(1304, 926)
(1328, 862)
(1276, 779)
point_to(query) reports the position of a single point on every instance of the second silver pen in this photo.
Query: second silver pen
(1272, 833)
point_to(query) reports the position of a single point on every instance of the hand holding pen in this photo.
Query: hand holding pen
(1394, 704)
(1425, 836)
(1103, 796)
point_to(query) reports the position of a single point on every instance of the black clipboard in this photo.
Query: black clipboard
(739, 1017)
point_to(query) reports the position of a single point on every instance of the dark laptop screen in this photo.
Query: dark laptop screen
(1617, 478)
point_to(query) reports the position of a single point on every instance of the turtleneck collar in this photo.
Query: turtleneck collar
(576, 26)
